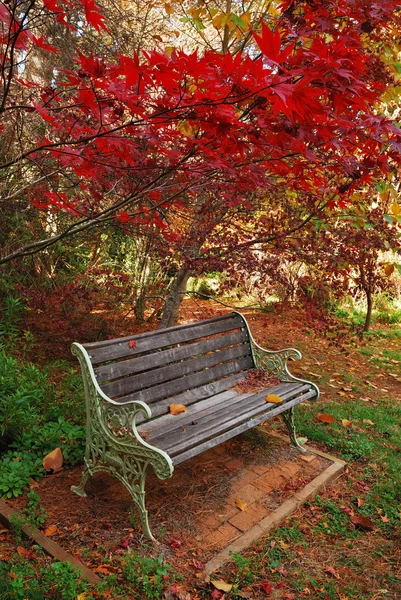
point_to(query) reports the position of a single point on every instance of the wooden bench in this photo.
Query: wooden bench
(131, 382)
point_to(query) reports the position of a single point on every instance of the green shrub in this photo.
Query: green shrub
(28, 400)
(19, 580)
(149, 575)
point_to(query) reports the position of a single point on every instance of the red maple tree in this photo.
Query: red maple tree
(133, 138)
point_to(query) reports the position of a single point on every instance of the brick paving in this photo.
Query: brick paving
(258, 489)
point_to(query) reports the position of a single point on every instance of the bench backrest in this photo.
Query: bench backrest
(181, 364)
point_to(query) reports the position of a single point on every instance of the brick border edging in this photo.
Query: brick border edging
(282, 512)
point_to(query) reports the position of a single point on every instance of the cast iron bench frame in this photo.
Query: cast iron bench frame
(196, 364)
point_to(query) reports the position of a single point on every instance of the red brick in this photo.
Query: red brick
(244, 477)
(227, 511)
(271, 480)
(259, 469)
(248, 493)
(212, 521)
(289, 468)
(246, 520)
(222, 536)
(234, 465)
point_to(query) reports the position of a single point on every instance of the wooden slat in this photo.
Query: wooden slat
(147, 379)
(127, 338)
(227, 435)
(225, 417)
(6, 517)
(162, 338)
(194, 380)
(167, 423)
(189, 397)
(165, 357)
(199, 411)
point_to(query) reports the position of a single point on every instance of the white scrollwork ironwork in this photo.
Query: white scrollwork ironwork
(113, 443)
(275, 362)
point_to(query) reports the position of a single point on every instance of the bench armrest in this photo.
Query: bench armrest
(275, 362)
(115, 421)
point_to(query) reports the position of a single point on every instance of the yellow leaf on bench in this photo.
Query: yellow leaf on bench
(273, 398)
(175, 409)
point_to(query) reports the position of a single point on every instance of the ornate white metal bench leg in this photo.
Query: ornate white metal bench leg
(80, 489)
(288, 418)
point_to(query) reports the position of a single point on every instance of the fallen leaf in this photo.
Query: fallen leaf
(241, 504)
(132, 343)
(266, 587)
(174, 543)
(385, 519)
(363, 522)
(51, 530)
(273, 399)
(345, 422)
(221, 585)
(22, 551)
(176, 409)
(104, 569)
(53, 461)
(368, 422)
(82, 596)
(302, 440)
(332, 571)
(359, 502)
(325, 418)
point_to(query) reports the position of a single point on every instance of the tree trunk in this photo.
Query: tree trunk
(174, 299)
(139, 308)
(369, 309)
(367, 288)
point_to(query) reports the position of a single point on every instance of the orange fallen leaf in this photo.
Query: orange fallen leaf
(241, 504)
(51, 530)
(345, 422)
(325, 418)
(176, 409)
(273, 398)
(53, 461)
(104, 569)
(363, 522)
(332, 571)
(22, 551)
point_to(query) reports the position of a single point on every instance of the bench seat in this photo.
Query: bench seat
(219, 418)
(131, 382)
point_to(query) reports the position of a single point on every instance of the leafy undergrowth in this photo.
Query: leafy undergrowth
(343, 545)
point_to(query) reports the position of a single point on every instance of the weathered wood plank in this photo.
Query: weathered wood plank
(227, 435)
(189, 397)
(220, 404)
(156, 393)
(154, 332)
(6, 515)
(171, 372)
(161, 338)
(224, 418)
(165, 357)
